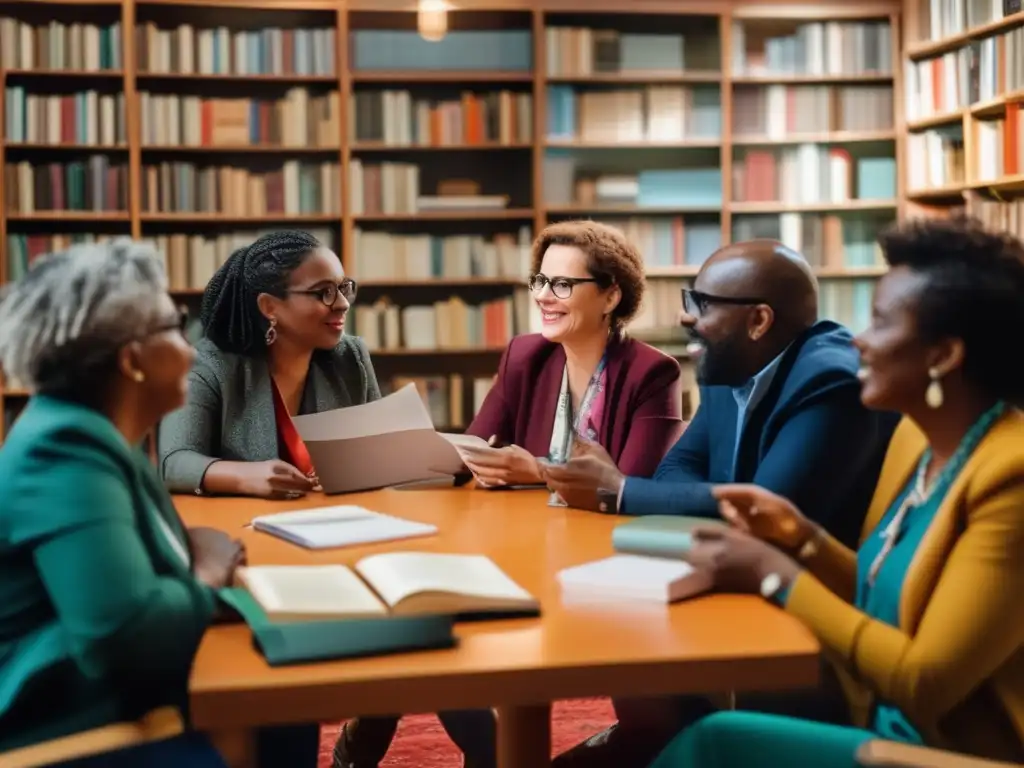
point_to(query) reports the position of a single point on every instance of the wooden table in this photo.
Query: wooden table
(712, 644)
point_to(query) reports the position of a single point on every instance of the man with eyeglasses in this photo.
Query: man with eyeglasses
(780, 407)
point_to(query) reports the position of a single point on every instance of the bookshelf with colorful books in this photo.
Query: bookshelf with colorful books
(430, 164)
(964, 89)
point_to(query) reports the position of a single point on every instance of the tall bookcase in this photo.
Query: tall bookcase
(964, 83)
(690, 124)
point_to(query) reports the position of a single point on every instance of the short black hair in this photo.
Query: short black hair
(230, 317)
(974, 291)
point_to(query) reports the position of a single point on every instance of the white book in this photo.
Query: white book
(343, 526)
(396, 583)
(633, 577)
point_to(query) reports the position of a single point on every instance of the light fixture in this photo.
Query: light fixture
(432, 19)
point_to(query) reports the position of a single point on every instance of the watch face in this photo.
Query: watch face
(770, 585)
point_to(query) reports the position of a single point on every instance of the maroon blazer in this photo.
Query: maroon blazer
(643, 402)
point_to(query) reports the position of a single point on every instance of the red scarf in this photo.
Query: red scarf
(294, 447)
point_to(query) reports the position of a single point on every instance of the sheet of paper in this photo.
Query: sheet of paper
(398, 412)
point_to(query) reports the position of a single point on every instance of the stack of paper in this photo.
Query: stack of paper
(327, 527)
(632, 577)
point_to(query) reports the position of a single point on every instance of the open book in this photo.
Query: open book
(396, 583)
(328, 527)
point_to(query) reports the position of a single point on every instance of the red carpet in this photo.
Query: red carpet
(422, 743)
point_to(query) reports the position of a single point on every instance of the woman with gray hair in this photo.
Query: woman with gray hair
(104, 595)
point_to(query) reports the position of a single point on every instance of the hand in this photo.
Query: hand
(737, 561)
(763, 514)
(274, 479)
(510, 465)
(215, 556)
(578, 480)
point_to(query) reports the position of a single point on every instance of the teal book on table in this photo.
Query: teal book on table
(386, 603)
(658, 535)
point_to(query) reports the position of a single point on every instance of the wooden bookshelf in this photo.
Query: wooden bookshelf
(965, 91)
(834, 114)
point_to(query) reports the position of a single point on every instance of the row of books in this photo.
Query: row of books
(780, 111)
(571, 179)
(87, 118)
(187, 49)
(812, 173)
(998, 145)
(395, 188)
(60, 45)
(817, 48)
(98, 184)
(389, 256)
(1001, 215)
(656, 113)
(299, 119)
(397, 118)
(938, 86)
(827, 241)
(295, 188)
(582, 51)
(941, 18)
(935, 158)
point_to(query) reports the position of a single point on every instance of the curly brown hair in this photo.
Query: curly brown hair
(611, 258)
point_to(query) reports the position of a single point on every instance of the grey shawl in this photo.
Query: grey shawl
(229, 414)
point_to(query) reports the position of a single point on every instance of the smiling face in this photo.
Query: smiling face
(586, 311)
(301, 316)
(894, 358)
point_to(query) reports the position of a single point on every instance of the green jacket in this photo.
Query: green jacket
(100, 616)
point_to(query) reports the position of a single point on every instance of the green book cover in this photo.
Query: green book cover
(307, 641)
(658, 535)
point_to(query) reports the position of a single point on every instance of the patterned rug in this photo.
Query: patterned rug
(422, 743)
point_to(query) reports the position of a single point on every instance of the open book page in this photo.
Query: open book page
(309, 592)
(421, 582)
(341, 526)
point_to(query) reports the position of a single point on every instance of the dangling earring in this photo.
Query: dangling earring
(933, 395)
(271, 335)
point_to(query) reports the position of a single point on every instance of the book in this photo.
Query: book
(658, 535)
(384, 443)
(342, 526)
(391, 584)
(633, 577)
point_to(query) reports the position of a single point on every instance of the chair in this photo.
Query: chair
(879, 753)
(157, 725)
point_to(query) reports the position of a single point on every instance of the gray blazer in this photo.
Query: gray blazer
(229, 414)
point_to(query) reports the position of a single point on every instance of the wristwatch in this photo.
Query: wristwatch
(771, 588)
(607, 501)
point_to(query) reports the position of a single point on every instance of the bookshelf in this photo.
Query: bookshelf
(964, 83)
(429, 166)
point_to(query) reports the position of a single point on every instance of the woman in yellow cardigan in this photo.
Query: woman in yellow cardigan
(923, 623)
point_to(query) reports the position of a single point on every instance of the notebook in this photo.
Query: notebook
(391, 584)
(633, 577)
(658, 535)
(344, 526)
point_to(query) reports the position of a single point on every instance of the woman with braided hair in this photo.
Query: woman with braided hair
(274, 346)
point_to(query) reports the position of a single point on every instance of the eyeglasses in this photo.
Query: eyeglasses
(178, 324)
(561, 287)
(328, 294)
(696, 302)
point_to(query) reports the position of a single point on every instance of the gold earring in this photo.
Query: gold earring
(271, 335)
(933, 396)
(139, 376)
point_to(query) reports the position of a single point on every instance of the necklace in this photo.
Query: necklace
(921, 492)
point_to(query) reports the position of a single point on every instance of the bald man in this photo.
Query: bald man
(780, 407)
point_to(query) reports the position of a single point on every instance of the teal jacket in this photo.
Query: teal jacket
(100, 616)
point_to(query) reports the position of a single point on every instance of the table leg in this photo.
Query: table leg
(524, 736)
(238, 748)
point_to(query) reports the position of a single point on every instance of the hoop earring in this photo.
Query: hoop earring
(933, 396)
(271, 335)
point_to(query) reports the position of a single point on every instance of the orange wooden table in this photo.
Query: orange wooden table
(712, 644)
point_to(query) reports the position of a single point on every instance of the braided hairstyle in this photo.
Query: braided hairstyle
(230, 317)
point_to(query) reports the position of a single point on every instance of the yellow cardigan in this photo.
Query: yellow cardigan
(955, 665)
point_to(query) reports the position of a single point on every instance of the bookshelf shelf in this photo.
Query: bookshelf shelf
(926, 50)
(479, 114)
(935, 121)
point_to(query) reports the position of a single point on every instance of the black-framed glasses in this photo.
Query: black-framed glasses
(328, 294)
(561, 287)
(696, 302)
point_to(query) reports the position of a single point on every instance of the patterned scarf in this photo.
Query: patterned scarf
(586, 423)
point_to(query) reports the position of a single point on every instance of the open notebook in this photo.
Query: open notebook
(328, 527)
(396, 583)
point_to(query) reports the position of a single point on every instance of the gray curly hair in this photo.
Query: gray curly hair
(62, 323)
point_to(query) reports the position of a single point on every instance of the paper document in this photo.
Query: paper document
(387, 442)
(328, 527)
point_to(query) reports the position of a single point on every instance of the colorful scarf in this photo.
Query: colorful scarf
(586, 423)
